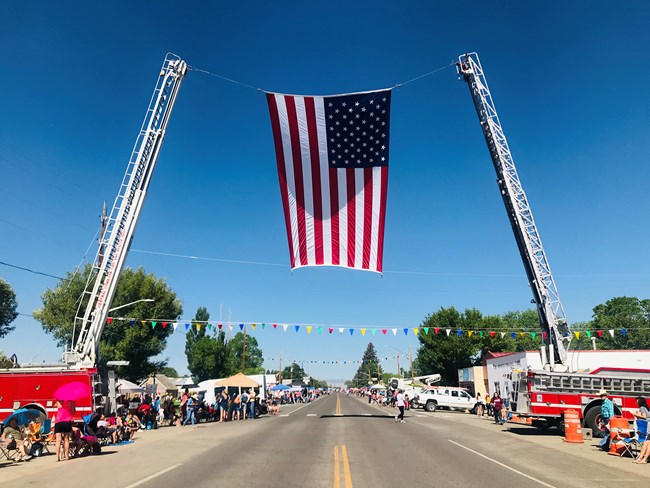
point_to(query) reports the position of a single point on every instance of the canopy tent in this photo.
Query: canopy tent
(279, 388)
(125, 386)
(239, 380)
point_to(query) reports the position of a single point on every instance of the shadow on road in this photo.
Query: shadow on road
(358, 415)
(532, 431)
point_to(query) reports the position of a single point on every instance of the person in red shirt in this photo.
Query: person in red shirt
(497, 405)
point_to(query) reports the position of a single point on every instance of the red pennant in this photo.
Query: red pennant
(331, 330)
(436, 330)
(383, 331)
(492, 334)
(275, 326)
(544, 335)
(109, 320)
(600, 333)
(164, 324)
(220, 326)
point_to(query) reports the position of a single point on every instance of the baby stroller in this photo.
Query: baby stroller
(102, 434)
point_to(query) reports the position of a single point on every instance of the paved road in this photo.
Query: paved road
(340, 442)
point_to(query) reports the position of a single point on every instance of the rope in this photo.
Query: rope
(397, 85)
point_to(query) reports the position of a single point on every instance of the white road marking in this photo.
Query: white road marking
(366, 414)
(311, 415)
(503, 465)
(338, 415)
(149, 478)
(303, 406)
(283, 415)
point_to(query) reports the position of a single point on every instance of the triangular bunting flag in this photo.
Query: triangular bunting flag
(187, 327)
(253, 326)
(351, 331)
(284, 326)
(383, 331)
(480, 334)
(513, 335)
(143, 322)
(406, 331)
(230, 327)
(330, 329)
(394, 332)
(544, 335)
(309, 329)
(109, 320)
(164, 325)
(492, 333)
(436, 330)
(611, 332)
(459, 332)
(373, 331)
(470, 332)
(577, 334)
(341, 329)
(503, 334)
(363, 332)
(533, 334)
(624, 332)
(241, 326)
(132, 322)
(198, 326)
(416, 330)
(600, 333)
(588, 334)
(426, 330)
(320, 330)
(220, 326)
(522, 334)
(175, 325)
(448, 331)
(297, 327)
(153, 325)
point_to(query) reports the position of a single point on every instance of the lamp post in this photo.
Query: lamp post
(132, 303)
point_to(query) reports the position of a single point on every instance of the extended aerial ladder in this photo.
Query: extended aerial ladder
(538, 271)
(94, 304)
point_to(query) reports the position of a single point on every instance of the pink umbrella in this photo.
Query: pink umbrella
(74, 390)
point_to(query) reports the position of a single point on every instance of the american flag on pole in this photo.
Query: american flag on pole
(332, 155)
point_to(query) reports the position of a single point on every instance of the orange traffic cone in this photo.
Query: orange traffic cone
(572, 427)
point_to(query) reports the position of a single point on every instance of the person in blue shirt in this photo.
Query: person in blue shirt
(606, 413)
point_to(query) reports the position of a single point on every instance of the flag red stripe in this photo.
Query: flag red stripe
(310, 112)
(352, 212)
(334, 212)
(382, 217)
(367, 216)
(298, 177)
(282, 173)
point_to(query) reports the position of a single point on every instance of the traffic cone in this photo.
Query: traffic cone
(572, 427)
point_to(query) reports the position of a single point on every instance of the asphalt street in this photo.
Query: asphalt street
(337, 441)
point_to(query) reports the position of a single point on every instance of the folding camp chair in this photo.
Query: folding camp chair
(632, 445)
(8, 451)
(39, 436)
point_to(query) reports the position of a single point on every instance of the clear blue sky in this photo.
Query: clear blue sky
(569, 80)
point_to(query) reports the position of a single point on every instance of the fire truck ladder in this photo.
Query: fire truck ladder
(96, 299)
(538, 271)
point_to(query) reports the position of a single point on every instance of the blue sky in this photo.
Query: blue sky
(568, 78)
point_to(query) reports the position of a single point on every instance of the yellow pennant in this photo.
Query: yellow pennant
(522, 334)
(253, 326)
(363, 332)
(577, 334)
(470, 332)
(416, 330)
(309, 329)
(198, 326)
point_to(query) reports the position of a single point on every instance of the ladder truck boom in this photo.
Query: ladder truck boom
(94, 305)
(529, 243)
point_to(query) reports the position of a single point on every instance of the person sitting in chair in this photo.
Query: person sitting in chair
(13, 436)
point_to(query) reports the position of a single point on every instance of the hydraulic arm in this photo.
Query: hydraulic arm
(94, 305)
(538, 271)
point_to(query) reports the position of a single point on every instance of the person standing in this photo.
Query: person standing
(401, 402)
(606, 413)
(497, 405)
(189, 408)
(642, 415)
(63, 427)
(251, 404)
(488, 404)
(479, 405)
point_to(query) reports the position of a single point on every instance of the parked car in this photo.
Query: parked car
(446, 397)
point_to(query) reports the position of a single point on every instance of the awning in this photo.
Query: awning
(240, 380)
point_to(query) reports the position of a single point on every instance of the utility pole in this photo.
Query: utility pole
(280, 372)
(399, 371)
(411, 357)
(243, 352)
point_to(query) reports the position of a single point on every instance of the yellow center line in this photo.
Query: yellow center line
(338, 405)
(337, 473)
(346, 467)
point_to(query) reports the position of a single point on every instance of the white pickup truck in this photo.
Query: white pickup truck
(445, 397)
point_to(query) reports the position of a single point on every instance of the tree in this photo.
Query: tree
(8, 306)
(369, 367)
(207, 356)
(253, 356)
(5, 362)
(169, 372)
(293, 371)
(629, 313)
(137, 343)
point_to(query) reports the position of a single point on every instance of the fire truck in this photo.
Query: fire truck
(34, 386)
(546, 394)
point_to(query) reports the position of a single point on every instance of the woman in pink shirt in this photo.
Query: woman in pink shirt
(63, 427)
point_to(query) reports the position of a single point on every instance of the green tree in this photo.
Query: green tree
(253, 356)
(195, 332)
(369, 367)
(168, 371)
(137, 343)
(617, 313)
(8, 306)
(5, 362)
(293, 371)
(207, 356)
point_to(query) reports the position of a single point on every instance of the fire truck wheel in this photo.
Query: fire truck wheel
(592, 416)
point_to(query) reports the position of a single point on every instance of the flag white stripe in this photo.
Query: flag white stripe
(306, 180)
(343, 216)
(321, 130)
(291, 184)
(376, 206)
(359, 217)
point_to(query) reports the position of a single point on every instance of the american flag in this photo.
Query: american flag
(332, 155)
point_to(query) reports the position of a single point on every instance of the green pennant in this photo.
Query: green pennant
(153, 325)
(373, 331)
(320, 330)
(263, 325)
(480, 334)
(533, 334)
(588, 334)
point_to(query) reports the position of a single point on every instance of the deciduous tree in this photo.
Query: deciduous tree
(8, 308)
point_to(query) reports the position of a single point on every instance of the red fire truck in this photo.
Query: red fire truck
(546, 394)
(34, 386)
